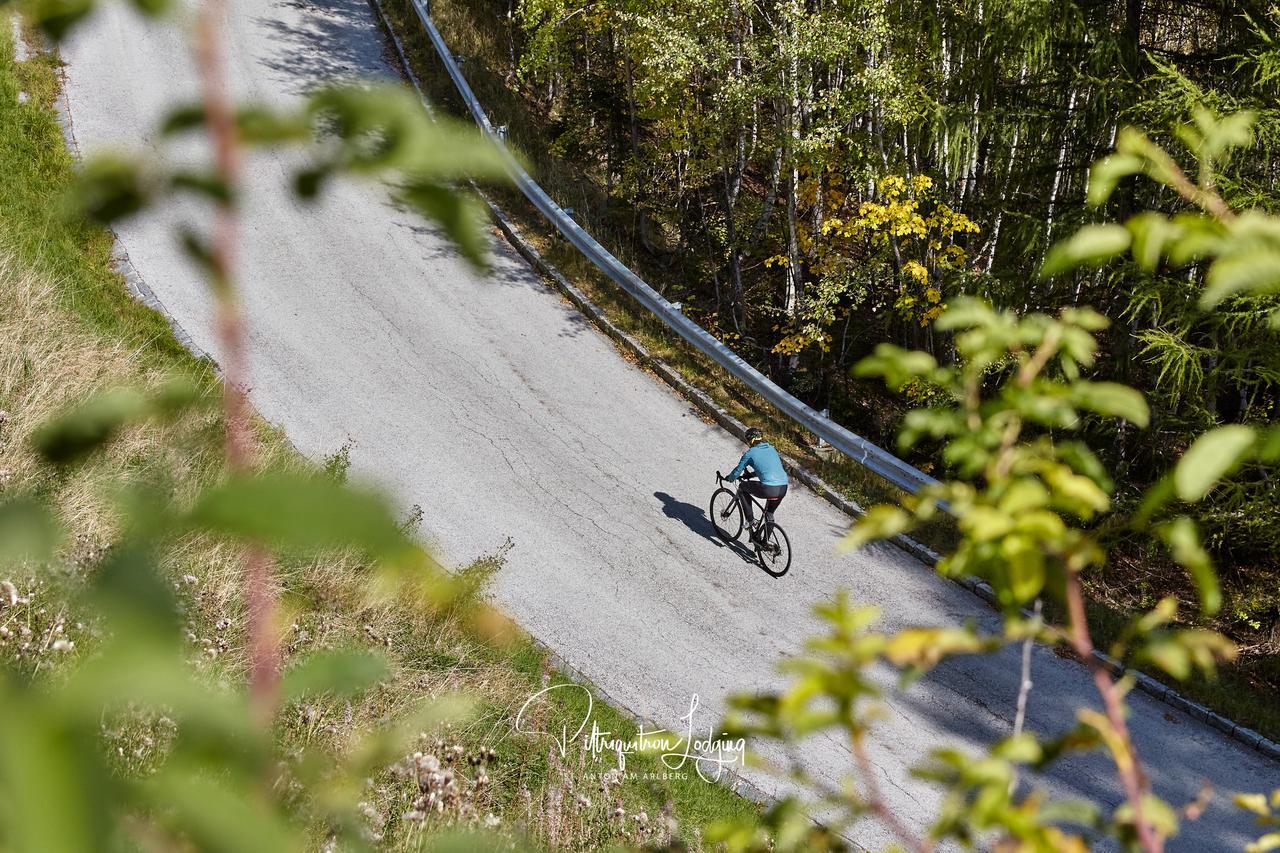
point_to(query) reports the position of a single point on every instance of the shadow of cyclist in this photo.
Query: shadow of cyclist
(695, 518)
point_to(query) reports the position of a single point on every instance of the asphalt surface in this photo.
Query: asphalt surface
(492, 404)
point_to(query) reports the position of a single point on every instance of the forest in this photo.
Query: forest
(813, 179)
(1033, 246)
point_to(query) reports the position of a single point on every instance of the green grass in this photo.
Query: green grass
(1246, 692)
(37, 172)
(68, 327)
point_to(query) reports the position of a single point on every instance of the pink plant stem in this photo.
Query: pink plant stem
(220, 127)
(877, 804)
(1129, 769)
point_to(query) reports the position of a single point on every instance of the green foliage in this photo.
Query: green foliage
(376, 130)
(222, 783)
(1267, 811)
(27, 533)
(207, 787)
(92, 424)
(1021, 492)
(1028, 497)
(726, 149)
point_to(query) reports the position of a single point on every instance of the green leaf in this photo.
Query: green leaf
(75, 434)
(1214, 455)
(1159, 814)
(182, 119)
(1221, 135)
(934, 423)
(1024, 568)
(1152, 234)
(345, 673)
(1256, 270)
(384, 128)
(1074, 492)
(301, 511)
(57, 792)
(386, 742)
(897, 365)
(924, 648)
(72, 436)
(205, 184)
(1179, 652)
(1092, 245)
(111, 187)
(985, 523)
(261, 125)
(1111, 399)
(1183, 539)
(1199, 237)
(966, 312)
(1085, 318)
(1108, 172)
(27, 532)
(879, 522)
(152, 8)
(462, 217)
(55, 18)
(1020, 749)
(219, 816)
(257, 124)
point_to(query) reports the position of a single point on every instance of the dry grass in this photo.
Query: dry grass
(477, 774)
(67, 330)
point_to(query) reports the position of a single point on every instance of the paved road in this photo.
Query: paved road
(491, 403)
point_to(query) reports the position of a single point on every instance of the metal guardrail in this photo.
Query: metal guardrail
(854, 446)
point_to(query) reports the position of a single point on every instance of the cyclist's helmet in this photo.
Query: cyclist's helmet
(754, 435)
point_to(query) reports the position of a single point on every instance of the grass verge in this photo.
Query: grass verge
(69, 328)
(480, 33)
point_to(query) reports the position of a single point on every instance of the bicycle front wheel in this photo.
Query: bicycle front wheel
(726, 514)
(774, 553)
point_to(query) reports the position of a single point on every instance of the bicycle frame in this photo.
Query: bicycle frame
(740, 496)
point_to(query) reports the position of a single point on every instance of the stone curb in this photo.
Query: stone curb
(702, 401)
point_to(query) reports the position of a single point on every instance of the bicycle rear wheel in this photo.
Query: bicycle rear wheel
(774, 553)
(726, 514)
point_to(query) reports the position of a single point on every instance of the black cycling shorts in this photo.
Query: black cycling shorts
(772, 495)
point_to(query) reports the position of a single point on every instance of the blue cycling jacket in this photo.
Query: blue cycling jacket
(765, 463)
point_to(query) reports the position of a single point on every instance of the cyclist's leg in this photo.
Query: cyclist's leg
(773, 500)
(747, 488)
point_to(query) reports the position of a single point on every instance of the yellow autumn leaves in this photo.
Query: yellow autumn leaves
(924, 235)
(904, 227)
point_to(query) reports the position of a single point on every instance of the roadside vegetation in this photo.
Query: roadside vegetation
(949, 169)
(215, 645)
(69, 333)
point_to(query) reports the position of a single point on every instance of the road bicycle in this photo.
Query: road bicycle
(728, 516)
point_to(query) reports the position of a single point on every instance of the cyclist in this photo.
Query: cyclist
(771, 483)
